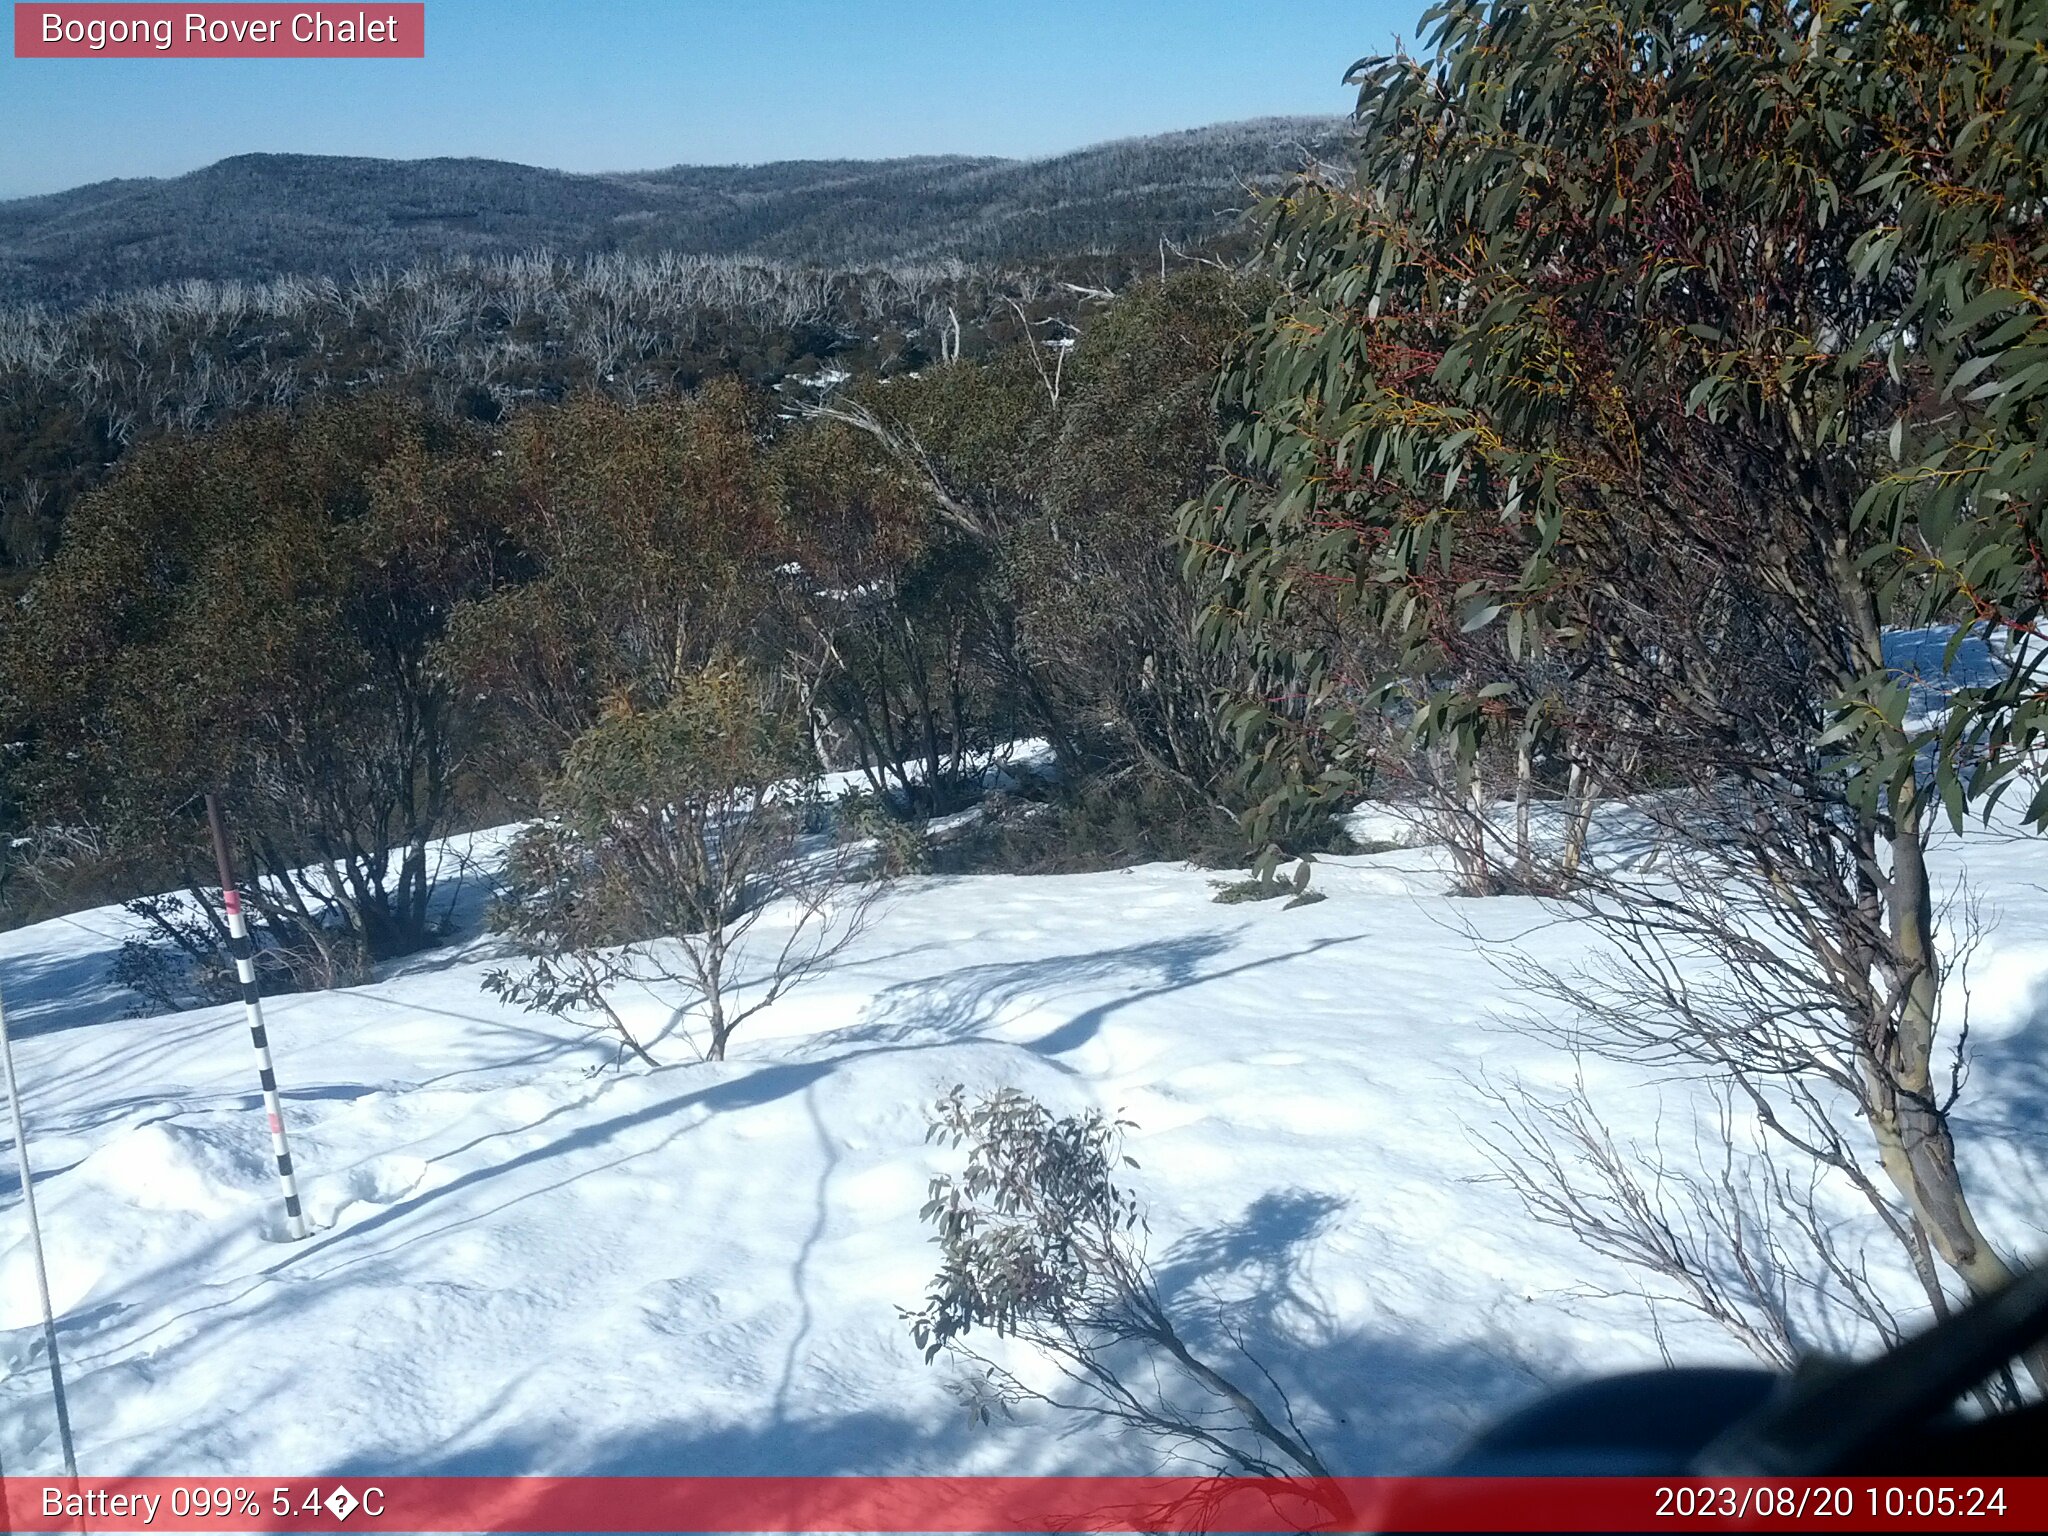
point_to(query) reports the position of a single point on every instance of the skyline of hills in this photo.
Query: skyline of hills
(264, 215)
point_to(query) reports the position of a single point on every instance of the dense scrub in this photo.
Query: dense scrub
(79, 389)
(369, 621)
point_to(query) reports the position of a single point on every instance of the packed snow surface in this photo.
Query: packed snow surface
(528, 1260)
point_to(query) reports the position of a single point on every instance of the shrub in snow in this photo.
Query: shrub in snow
(672, 834)
(900, 847)
(1265, 884)
(1041, 1245)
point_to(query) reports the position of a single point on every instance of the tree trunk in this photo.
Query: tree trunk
(721, 1030)
(1479, 873)
(1912, 1128)
(1581, 792)
(1525, 781)
(1915, 1142)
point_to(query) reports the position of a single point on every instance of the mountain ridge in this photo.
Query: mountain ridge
(264, 214)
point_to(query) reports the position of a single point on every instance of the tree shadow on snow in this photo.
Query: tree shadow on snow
(1393, 1397)
(964, 1004)
(822, 1446)
(1390, 1397)
(1398, 1405)
(2007, 1089)
(1384, 1400)
(2005, 1095)
(1378, 1400)
(1396, 1396)
(48, 991)
(912, 1017)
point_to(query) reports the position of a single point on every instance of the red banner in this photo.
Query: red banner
(1022, 1504)
(258, 31)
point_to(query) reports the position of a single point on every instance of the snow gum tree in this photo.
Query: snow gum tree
(671, 833)
(991, 552)
(645, 539)
(898, 619)
(258, 612)
(1655, 360)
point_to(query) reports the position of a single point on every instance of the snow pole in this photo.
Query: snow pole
(35, 1242)
(244, 954)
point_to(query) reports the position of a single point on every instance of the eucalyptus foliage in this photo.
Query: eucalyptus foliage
(1042, 1245)
(1767, 279)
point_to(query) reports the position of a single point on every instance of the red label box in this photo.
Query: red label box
(109, 29)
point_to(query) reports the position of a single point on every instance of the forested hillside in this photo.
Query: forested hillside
(142, 307)
(257, 216)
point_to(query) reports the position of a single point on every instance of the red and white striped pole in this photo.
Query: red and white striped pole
(252, 1004)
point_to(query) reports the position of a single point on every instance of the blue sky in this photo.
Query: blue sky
(625, 84)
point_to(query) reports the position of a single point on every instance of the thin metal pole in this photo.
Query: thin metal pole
(252, 1005)
(35, 1242)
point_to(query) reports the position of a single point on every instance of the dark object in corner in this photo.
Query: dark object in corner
(1891, 1416)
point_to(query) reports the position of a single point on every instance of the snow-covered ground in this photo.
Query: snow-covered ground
(525, 1261)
